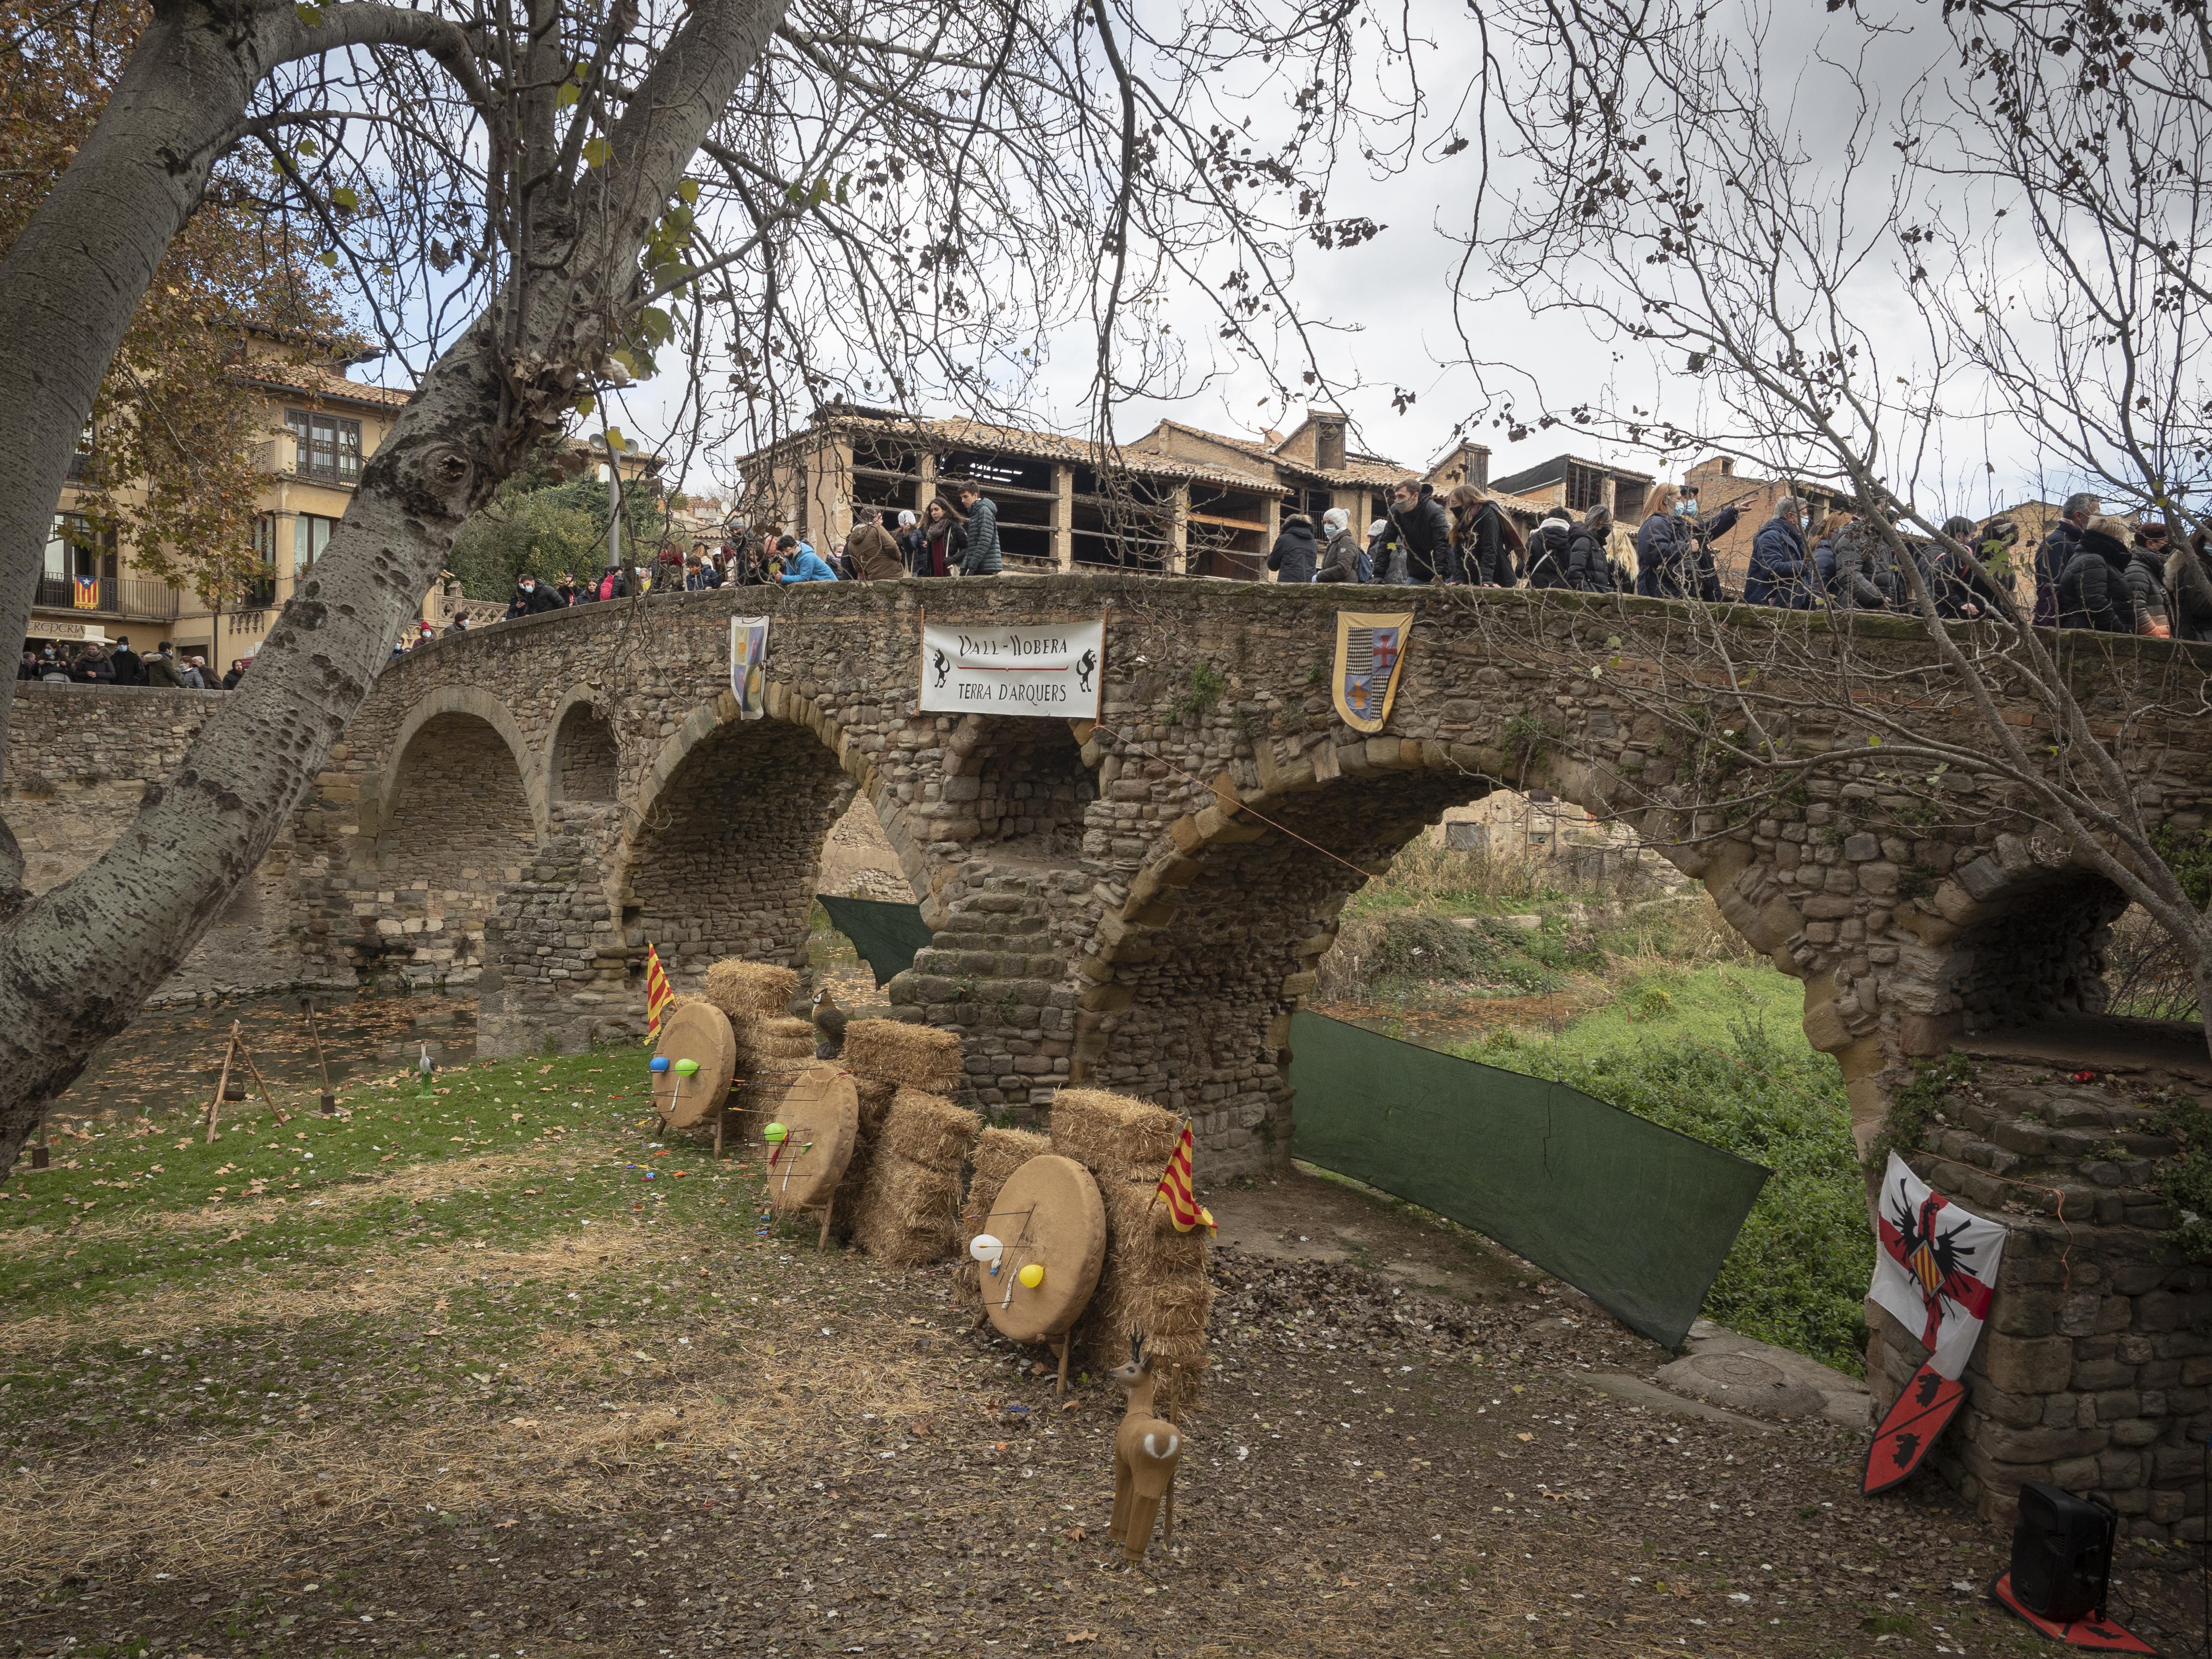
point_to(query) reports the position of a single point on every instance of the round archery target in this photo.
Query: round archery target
(820, 1113)
(694, 1031)
(1050, 1219)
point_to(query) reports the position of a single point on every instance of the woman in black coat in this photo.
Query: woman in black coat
(1296, 553)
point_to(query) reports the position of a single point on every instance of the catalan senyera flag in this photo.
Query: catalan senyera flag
(657, 996)
(1183, 1207)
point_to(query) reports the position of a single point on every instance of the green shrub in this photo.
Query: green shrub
(1413, 948)
(1798, 1273)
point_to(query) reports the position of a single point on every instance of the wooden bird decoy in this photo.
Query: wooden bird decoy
(830, 1020)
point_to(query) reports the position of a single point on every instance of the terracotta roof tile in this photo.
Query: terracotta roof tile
(314, 380)
(1041, 446)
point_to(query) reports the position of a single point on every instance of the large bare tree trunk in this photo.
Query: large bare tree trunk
(78, 961)
(72, 278)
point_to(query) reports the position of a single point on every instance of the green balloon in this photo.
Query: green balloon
(686, 1068)
(775, 1132)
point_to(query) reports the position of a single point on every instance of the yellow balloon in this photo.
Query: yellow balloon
(1031, 1276)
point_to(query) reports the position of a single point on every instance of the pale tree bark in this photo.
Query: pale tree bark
(75, 964)
(71, 281)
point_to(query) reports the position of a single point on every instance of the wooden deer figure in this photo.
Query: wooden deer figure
(1146, 1450)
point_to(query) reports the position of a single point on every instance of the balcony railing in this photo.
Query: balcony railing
(110, 596)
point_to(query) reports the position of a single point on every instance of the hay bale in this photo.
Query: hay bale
(1142, 1233)
(1114, 1136)
(928, 1130)
(925, 1056)
(1171, 1311)
(763, 1037)
(741, 989)
(876, 1096)
(906, 1215)
(1154, 1276)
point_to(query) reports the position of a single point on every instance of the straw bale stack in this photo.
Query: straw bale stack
(999, 1154)
(876, 1097)
(742, 988)
(906, 1212)
(1154, 1276)
(1114, 1135)
(925, 1056)
(929, 1130)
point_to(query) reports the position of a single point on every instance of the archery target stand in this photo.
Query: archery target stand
(820, 1113)
(1048, 1215)
(698, 1032)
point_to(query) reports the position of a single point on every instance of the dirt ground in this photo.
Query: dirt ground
(699, 1437)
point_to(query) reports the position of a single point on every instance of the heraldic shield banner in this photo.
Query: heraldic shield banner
(748, 666)
(1936, 1270)
(1371, 651)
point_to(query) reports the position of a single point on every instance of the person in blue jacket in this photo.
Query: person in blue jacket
(802, 564)
(1782, 572)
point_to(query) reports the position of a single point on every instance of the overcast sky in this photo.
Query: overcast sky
(1389, 307)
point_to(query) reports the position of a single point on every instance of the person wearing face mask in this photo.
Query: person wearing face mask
(1342, 555)
(1663, 550)
(1704, 533)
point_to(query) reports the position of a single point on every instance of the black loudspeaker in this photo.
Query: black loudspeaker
(2061, 1552)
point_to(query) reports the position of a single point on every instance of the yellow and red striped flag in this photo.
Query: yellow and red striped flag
(1183, 1207)
(657, 996)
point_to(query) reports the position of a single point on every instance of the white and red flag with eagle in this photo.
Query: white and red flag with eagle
(1936, 1269)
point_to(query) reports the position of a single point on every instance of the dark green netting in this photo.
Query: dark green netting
(885, 935)
(1636, 1216)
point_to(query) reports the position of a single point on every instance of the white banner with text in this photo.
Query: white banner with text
(1048, 669)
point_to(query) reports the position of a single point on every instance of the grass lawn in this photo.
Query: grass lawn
(493, 1373)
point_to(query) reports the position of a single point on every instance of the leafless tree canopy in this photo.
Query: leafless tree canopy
(1884, 283)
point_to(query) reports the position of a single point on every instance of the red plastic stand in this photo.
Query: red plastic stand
(1909, 1429)
(2099, 1634)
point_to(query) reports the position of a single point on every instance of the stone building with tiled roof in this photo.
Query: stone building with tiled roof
(319, 426)
(1179, 499)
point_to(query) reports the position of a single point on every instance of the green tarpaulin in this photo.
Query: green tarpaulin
(885, 935)
(1636, 1216)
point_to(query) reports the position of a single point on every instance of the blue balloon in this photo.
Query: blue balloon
(660, 1063)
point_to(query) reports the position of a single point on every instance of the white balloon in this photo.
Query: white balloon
(985, 1249)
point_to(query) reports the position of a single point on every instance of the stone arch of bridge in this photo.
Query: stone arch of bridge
(1188, 995)
(459, 810)
(1188, 998)
(721, 855)
(440, 706)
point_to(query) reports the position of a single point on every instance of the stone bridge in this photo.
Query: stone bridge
(1141, 903)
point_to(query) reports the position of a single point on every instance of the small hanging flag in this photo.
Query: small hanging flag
(657, 996)
(1936, 1269)
(1183, 1207)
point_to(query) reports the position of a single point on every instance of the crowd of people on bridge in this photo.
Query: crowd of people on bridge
(117, 664)
(2092, 570)
(956, 534)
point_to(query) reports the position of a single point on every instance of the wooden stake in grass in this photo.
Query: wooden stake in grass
(330, 1101)
(229, 1049)
(246, 1055)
